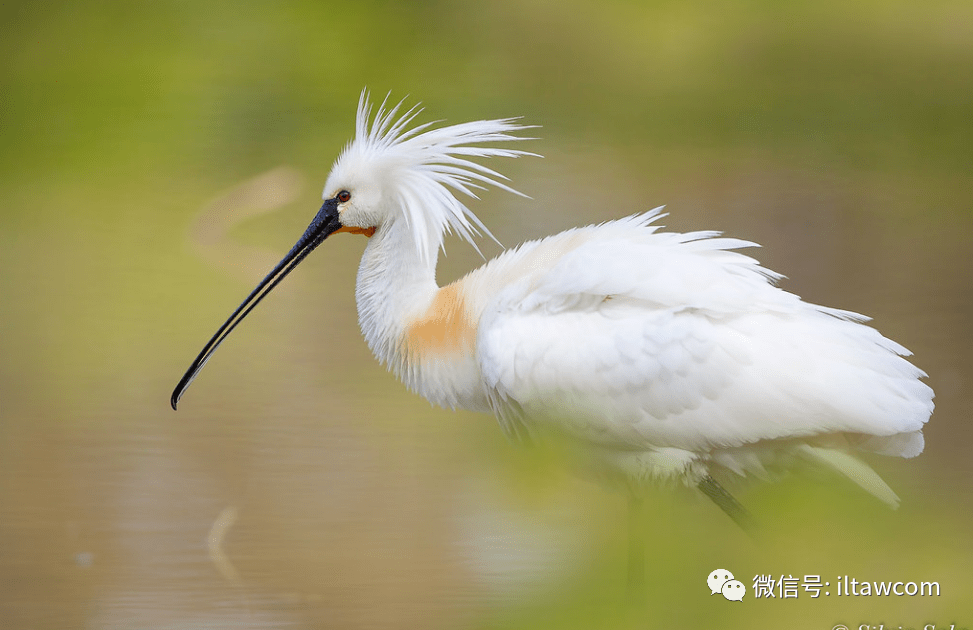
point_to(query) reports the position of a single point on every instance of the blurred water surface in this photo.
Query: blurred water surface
(157, 158)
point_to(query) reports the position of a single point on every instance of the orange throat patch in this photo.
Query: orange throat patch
(367, 232)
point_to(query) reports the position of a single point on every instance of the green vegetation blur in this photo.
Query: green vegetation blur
(157, 157)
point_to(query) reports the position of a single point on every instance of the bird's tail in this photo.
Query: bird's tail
(855, 469)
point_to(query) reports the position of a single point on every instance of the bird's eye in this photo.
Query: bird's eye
(344, 196)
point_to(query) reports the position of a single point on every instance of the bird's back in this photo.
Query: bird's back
(683, 352)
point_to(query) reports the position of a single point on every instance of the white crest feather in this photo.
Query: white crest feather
(425, 166)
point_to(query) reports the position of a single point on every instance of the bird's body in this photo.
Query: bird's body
(667, 355)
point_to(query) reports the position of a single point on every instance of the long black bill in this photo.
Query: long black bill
(324, 224)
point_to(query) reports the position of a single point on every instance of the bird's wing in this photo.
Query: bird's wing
(638, 338)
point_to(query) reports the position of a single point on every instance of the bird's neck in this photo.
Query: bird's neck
(425, 334)
(394, 285)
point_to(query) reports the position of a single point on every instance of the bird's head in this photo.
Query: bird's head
(387, 174)
(392, 172)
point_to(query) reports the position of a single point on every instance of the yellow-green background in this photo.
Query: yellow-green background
(837, 134)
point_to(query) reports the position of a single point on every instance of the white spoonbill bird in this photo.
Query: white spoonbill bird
(666, 355)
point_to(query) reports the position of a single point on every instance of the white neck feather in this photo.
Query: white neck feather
(394, 286)
(397, 291)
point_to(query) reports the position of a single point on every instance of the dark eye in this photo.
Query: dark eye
(344, 196)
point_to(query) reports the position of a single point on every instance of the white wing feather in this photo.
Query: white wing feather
(629, 337)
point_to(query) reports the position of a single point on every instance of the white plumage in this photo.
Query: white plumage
(667, 355)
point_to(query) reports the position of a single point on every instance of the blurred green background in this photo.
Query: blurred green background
(144, 146)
